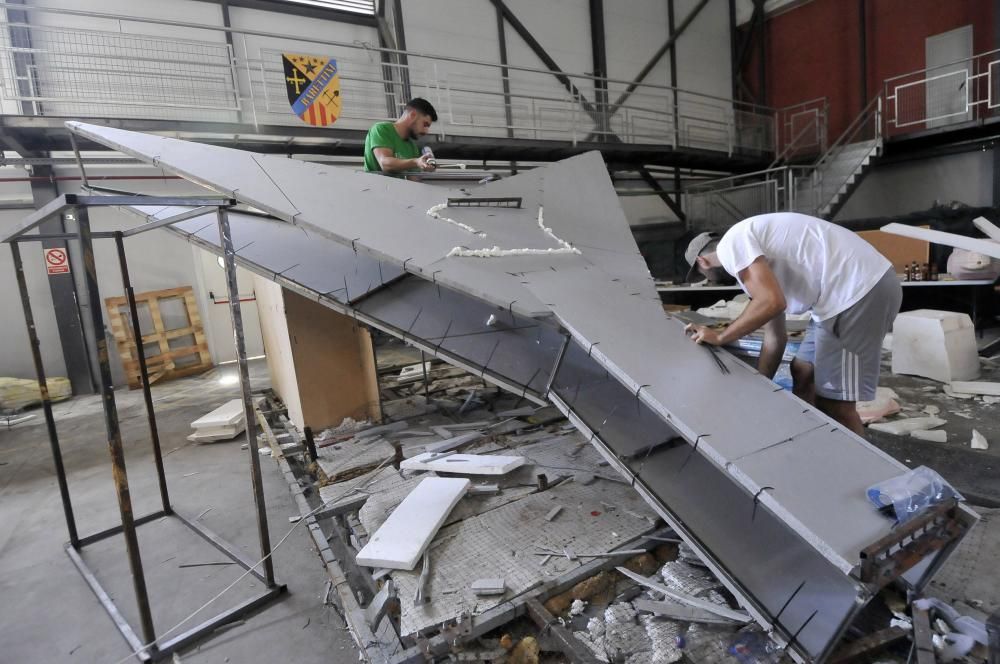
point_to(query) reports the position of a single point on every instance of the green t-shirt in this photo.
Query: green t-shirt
(384, 135)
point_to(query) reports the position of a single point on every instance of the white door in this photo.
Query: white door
(947, 90)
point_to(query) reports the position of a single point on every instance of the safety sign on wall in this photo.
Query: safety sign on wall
(56, 261)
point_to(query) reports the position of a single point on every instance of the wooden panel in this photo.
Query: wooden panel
(167, 361)
(333, 361)
(277, 345)
(901, 251)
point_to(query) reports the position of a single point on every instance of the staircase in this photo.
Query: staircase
(819, 189)
(838, 173)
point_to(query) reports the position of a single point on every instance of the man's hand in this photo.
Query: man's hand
(703, 335)
(426, 163)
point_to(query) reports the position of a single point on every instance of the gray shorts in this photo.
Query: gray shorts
(846, 350)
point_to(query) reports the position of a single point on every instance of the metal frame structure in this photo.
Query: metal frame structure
(147, 648)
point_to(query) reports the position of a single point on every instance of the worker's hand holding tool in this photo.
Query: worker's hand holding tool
(426, 161)
(703, 335)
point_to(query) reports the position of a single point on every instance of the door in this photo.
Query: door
(948, 57)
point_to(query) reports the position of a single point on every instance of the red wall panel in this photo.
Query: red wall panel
(814, 49)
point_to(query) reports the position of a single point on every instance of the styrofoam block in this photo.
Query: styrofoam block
(404, 536)
(979, 441)
(976, 387)
(227, 414)
(935, 344)
(200, 436)
(900, 427)
(464, 464)
(936, 436)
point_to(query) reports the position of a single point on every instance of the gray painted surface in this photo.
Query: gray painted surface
(734, 416)
(757, 444)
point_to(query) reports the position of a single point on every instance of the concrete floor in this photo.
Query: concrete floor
(48, 613)
(975, 473)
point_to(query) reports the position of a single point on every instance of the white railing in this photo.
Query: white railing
(801, 130)
(811, 189)
(960, 91)
(126, 70)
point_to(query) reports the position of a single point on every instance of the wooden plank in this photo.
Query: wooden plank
(464, 464)
(400, 541)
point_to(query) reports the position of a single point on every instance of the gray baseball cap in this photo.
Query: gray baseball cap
(694, 249)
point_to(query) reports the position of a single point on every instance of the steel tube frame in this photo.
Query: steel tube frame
(145, 649)
(229, 258)
(140, 352)
(50, 423)
(112, 428)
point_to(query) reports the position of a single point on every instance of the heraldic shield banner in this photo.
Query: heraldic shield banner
(313, 86)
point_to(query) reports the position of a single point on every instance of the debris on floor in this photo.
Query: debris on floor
(16, 394)
(552, 510)
(224, 423)
(935, 344)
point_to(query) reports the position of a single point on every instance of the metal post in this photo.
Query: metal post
(378, 386)
(310, 442)
(143, 371)
(113, 431)
(229, 258)
(423, 367)
(50, 422)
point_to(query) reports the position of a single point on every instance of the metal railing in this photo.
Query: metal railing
(811, 189)
(718, 204)
(92, 64)
(960, 91)
(801, 130)
(860, 141)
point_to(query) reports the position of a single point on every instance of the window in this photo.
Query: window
(353, 6)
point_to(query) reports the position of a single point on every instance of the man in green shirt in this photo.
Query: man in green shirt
(390, 147)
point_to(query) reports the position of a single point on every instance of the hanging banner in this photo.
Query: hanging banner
(313, 87)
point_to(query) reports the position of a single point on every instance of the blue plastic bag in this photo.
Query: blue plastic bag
(905, 496)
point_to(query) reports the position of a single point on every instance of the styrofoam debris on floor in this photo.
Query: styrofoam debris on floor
(978, 441)
(905, 426)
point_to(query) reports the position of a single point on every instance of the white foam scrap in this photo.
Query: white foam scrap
(548, 231)
(979, 441)
(936, 436)
(435, 209)
(595, 627)
(577, 607)
(905, 426)
(497, 252)
(946, 388)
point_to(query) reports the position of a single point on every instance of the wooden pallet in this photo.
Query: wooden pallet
(170, 361)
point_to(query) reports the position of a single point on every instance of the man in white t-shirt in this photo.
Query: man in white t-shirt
(796, 263)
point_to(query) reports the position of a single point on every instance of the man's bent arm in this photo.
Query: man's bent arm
(773, 348)
(391, 164)
(767, 301)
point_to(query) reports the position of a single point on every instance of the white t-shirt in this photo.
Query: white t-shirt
(821, 267)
